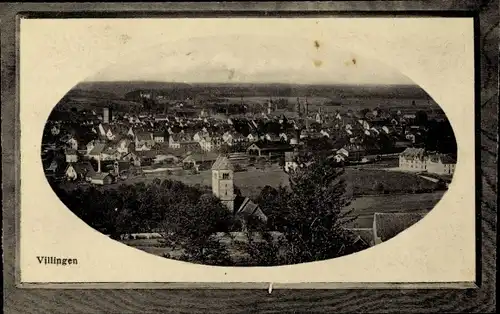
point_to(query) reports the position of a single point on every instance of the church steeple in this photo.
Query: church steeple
(222, 181)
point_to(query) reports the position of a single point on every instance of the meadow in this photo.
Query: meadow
(361, 180)
(365, 206)
(365, 181)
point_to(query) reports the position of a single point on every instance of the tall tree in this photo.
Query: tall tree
(311, 216)
(193, 228)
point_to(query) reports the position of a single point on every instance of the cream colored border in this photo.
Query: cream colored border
(435, 53)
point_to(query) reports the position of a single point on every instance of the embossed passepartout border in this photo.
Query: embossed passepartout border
(480, 298)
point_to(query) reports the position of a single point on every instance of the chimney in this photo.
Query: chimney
(105, 115)
(99, 164)
(297, 107)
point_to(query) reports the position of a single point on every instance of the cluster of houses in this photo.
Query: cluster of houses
(148, 139)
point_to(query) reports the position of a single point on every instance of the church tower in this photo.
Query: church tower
(222, 181)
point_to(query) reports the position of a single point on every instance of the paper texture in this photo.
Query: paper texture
(435, 53)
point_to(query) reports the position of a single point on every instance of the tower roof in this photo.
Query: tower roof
(222, 163)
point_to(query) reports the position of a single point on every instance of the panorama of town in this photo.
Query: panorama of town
(247, 180)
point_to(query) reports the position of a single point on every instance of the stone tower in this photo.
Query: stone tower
(222, 181)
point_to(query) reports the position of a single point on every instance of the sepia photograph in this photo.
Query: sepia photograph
(249, 157)
(248, 151)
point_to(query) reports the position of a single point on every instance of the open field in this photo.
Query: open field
(363, 181)
(249, 182)
(365, 206)
(341, 104)
(382, 164)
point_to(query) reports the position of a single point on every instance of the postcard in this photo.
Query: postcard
(247, 151)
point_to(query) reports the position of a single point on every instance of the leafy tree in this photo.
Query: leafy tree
(192, 227)
(421, 118)
(264, 252)
(364, 111)
(310, 215)
(379, 187)
(440, 137)
(186, 216)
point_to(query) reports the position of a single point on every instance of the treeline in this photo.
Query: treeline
(309, 216)
(185, 215)
(247, 89)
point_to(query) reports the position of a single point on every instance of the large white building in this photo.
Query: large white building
(441, 164)
(418, 160)
(413, 159)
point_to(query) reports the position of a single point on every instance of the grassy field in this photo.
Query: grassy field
(364, 207)
(343, 104)
(389, 163)
(249, 182)
(362, 181)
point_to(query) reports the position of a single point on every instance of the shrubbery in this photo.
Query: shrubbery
(186, 215)
(379, 187)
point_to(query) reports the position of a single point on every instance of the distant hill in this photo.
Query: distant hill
(79, 93)
(180, 90)
(125, 96)
(95, 100)
(120, 89)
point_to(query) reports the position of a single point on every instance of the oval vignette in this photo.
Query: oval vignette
(224, 152)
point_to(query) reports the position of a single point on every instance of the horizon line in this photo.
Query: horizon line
(247, 83)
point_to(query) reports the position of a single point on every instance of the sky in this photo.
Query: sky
(249, 59)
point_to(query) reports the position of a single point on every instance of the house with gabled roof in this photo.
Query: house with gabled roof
(291, 161)
(102, 178)
(132, 158)
(252, 137)
(441, 164)
(362, 236)
(131, 133)
(79, 171)
(199, 161)
(123, 145)
(232, 138)
(161, 117)
(352, 152)
(110, 153)
(209, 143)
(144, 141)
(97, 149)
(175, 140)
(73, 143)
(249, 210)
(159, 137)
(106, 131)
(71, 155)
(269, 149)
(199, 135)
(413, 159)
